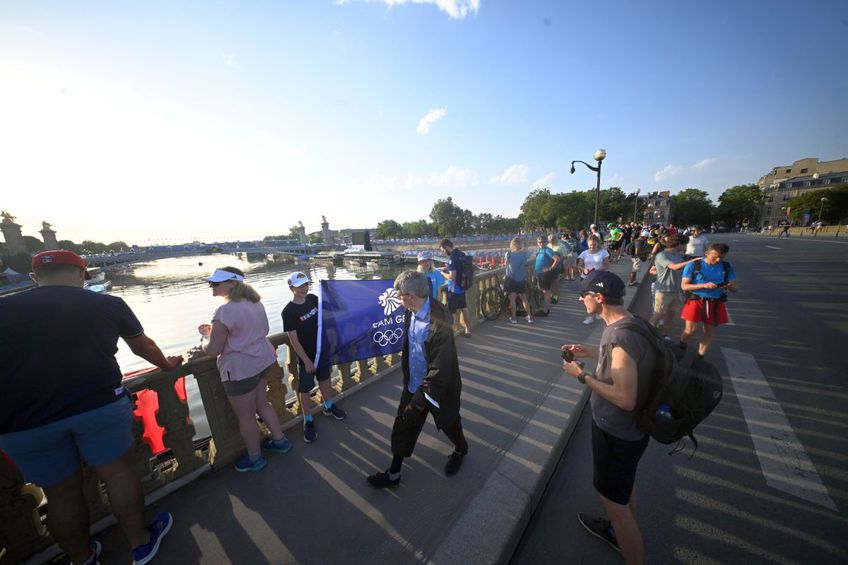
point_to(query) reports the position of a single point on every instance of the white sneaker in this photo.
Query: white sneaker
(588, 320)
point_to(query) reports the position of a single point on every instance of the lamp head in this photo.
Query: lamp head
(600, 155)
(571, 170)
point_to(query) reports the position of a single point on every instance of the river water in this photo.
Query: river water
(171, 298)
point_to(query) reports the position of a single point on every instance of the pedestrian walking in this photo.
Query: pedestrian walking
(431, 379)
(625, 368)
(457, 304)
(669, 296)
(300, 322)
(515, 279)
(62, 402)
(593, 259)
(435, 276)
(238, 337)
(707, 281)
(546, 268)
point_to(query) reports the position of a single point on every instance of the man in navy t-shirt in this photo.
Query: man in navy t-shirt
(457, 304)
(62, 401)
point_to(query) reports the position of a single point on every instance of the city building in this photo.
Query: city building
(783, 183)
(657, 208)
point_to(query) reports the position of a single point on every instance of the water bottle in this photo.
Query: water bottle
(664, 413)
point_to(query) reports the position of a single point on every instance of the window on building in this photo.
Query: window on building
(788, 170)
(804, 171)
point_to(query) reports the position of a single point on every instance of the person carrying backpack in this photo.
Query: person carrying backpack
(623, 374)
(455, 271)
(707, 282)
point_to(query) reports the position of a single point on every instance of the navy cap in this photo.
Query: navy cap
(604, 282)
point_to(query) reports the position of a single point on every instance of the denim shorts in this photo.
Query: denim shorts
(306, 381)
(49, 454)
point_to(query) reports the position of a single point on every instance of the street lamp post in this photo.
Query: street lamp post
(636, 205)
(599, 156)
(823, 200)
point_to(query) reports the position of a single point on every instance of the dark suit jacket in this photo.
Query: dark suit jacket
(442, 381)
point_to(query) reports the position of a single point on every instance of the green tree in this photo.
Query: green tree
(833, 210)
(739, 202)
(33, 244)
(295, 231)
(92, 247)
(389, 229)
(450, 219)
(117, 246)
(315, 238)
(574, 209)
(690, 207)
(418, 228)
(69, 245)
(537, 211)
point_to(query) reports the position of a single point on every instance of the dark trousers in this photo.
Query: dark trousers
(405, 434)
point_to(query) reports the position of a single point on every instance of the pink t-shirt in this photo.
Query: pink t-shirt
(247, 351)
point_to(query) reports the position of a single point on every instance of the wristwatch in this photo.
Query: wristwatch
(581, 378)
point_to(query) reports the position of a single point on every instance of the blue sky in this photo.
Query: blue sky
(172, 121)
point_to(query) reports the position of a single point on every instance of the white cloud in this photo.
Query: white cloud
(228, 59)
(456, 9)
(453, 176)
(667, 172)
(433, 116)
(701, 165)
(516, 174)
(544, 182)
(615, 180)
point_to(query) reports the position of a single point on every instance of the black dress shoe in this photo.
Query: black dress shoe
(383, 480)
(454, 463)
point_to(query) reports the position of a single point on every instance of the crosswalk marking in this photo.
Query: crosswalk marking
(772, 247)
(785, 464)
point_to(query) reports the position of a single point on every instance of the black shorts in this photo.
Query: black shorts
(615, 461)
(615, 244)
(511, 286)
(456, 302)
(546, 279)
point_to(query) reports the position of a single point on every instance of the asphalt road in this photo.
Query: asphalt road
(769, 482)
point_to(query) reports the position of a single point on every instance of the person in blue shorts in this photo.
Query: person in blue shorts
(62, 402)
(300, 322)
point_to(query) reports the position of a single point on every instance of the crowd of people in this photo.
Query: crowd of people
(77, 410)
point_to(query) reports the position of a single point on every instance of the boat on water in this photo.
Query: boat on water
(98, 281)
(334, 257)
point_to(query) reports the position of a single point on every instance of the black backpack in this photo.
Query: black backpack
(465, 273)
(683, 384)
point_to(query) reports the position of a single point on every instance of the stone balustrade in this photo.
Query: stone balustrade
(23, 507)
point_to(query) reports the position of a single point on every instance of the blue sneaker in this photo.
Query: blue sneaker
(283, 447)
(335, 412)
(158, 529)
(309, 433)
(244, 464)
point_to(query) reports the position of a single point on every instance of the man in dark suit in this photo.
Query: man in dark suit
(431, 380)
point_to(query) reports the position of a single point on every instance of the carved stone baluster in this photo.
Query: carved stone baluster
(21, 532)
(380, 363)
(362, 370)
(346, 377)
(141, 457)
(277, 391)
(227, 444)
(173, 415)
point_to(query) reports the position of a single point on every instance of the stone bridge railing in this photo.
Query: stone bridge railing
(23, 531)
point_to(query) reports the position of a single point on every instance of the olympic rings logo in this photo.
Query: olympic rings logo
(388, 337)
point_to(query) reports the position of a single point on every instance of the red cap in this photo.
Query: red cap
(59, 257)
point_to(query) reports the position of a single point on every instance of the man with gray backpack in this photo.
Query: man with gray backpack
(642, 387)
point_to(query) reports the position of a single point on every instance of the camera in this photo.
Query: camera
(568, 357)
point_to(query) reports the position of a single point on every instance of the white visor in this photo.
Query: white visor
(221, 275)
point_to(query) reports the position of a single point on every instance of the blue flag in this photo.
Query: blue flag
(357, 320)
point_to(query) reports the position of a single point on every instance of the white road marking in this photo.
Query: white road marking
(772, 247)
(785, 464)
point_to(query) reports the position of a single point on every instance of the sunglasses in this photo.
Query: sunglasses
(585, 293)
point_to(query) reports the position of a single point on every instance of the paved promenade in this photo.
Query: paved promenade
(313, 505)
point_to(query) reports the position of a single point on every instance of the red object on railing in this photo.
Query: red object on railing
(147, 406)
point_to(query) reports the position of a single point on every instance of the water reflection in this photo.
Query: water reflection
(171, 297)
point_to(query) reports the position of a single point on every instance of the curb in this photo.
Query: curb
(492, 526)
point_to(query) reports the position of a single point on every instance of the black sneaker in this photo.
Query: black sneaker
(601, 528)
(541, 314)
(454, 463)
(309, 433)
(383, 480)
